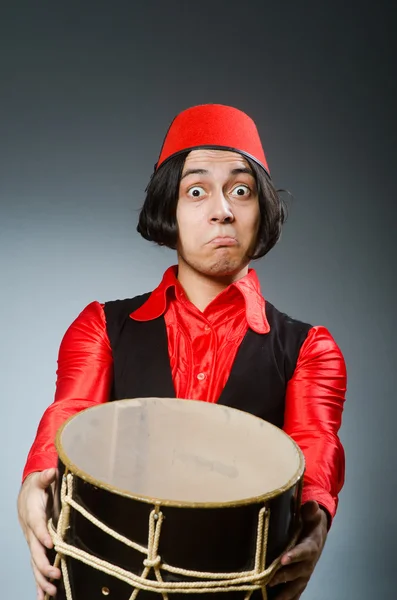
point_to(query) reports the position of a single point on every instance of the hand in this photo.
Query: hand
(298, 564)
(32, 514)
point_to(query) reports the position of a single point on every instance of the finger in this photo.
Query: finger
(310, 507)
(279, 577)
(306, 550)
(40, 530)
(291, 573)
(41, 561)
(46, 478)
(39, 593)
(42, 582)
(36, 522)
(311, 514)
(292, 590)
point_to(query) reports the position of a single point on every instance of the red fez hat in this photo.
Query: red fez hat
(213, 126)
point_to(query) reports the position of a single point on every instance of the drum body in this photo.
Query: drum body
(156, 493)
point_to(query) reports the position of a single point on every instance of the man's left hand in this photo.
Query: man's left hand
(299, 562)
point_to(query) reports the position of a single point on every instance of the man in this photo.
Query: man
(211, 198)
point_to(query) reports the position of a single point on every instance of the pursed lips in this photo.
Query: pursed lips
(226, 240)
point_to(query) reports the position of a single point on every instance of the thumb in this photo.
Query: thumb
(47, 477)
(310, 509)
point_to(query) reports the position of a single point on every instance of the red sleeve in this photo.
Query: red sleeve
(84, 378)
(314, 404)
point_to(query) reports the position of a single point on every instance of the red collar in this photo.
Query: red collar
(249, 286)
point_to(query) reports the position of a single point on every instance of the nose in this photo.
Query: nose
(220, 209)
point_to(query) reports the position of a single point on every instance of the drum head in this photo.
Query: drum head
(179, 452)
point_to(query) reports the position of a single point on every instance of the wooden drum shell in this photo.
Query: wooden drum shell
(210, 537)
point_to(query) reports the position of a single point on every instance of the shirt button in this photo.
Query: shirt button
(207, 328)
(201, 376)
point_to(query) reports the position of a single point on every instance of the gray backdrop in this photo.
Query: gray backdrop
(87, 93)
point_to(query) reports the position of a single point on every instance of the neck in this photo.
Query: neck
(200, 288)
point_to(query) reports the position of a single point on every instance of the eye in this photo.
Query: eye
(241, 190)
(196, 192)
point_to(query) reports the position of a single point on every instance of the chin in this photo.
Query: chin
(224, 267)
(224, 264)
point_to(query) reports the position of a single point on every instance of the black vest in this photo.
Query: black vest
(257, 383)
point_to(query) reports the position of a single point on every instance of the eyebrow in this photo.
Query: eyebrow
(205, 172)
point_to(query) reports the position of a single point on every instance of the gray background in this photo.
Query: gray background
(87, 93)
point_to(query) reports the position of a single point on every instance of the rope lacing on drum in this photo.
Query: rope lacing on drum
(247, 581)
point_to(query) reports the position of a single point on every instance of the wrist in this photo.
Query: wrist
(325, 517)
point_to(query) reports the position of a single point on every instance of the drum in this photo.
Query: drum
(159, 498)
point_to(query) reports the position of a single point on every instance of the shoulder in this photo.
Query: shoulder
(96, 315)
(88, 327)
(91, 315)
(320, 345)
(116, 311)
(303, 342)
(285, 326)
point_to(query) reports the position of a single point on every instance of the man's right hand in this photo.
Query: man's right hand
(32, 513)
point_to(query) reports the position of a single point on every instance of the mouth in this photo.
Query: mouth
(223, 241)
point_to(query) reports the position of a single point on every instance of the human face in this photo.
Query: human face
(217, 212)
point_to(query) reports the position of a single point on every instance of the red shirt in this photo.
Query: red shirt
(197, 343)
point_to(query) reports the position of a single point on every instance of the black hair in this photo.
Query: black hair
(157, 219)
